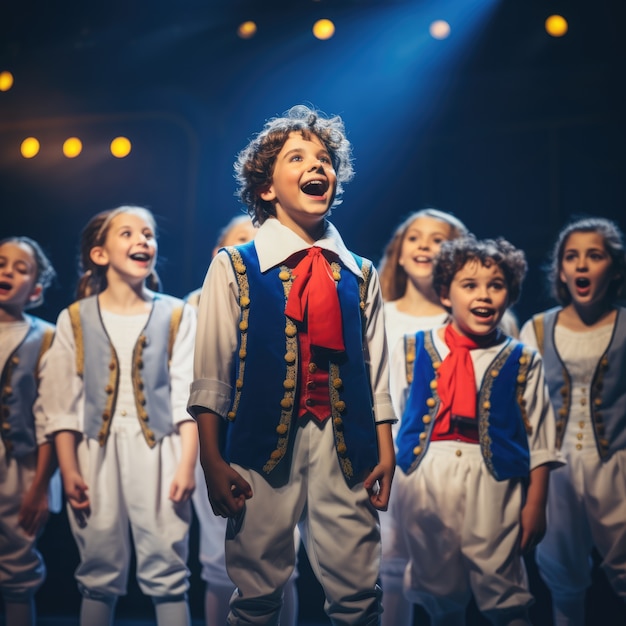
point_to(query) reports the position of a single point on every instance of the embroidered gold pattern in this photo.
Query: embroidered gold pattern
(77, 329)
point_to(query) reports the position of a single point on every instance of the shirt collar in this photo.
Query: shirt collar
(275, 242)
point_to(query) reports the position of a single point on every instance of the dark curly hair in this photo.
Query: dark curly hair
(613, 244)
(456, 253)
(254, 166)
(45, 271)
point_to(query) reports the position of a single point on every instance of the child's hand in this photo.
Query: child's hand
(75, 489)
(533, 526)
(182, 485)
(228, 491)
(378, 485)
(33, 512)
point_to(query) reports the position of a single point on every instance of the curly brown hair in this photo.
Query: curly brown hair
(455, 254)
(392, 275)
(613, 244)
(254, 166)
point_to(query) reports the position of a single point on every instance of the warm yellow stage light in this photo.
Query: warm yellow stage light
(120, 147)
(29, 147)
(72, 147)
(323, 29)
(556, 25)
(247, 30)
(6, 81)
(439, 29)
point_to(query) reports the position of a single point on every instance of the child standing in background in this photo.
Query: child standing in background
(411, 304)
(475, 444)
(219, 587)
(291, 368)
(27, 460)
(126, 446)
(583, 342)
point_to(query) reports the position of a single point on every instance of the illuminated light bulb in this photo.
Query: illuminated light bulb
(439, 29)
(120, 147)
(29, 147)
(72, 147)
(556, 25)
(323, 29)
(6, 81)
(247, 30)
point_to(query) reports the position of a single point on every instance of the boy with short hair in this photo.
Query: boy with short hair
(291, 382)
(476, 443)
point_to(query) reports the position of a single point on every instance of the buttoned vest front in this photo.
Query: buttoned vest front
(607, 391)
(19, 388)
(97, 363)
(503, 426)
(265, 376)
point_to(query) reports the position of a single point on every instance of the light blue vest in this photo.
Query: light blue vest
(266, 375)
(19, 389)
(607, 391)
(502, 422)
(97, 363)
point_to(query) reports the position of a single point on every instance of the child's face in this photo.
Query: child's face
(129, 249)
(420, 245)
(478, 297)
(18, 275)
(586, 268)
(303, 182)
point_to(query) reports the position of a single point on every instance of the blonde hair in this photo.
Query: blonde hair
(393, 278)
(92, 279)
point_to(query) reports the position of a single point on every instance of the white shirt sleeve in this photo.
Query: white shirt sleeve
(60, 402)
(375, 351)
(216, 339)
(527, 335)
(181, 365)
(542, 439)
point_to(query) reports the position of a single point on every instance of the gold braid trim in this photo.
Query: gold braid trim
(244, 305)
(409, 357)
(522, 377)
(177, 316)
(539, 330)
(5, 386)
(77, 329)
(140, 398)
(111, 388)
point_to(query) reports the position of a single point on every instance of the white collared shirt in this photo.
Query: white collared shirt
(219, 312)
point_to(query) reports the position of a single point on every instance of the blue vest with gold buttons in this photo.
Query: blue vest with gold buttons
(502, 422)
(19, 389)
(97, 363)
(607, 391)
(266, 381)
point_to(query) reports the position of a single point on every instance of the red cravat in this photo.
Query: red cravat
(456, 384)
(314, 294)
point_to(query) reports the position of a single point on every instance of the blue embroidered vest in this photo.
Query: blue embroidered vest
(502, 421)
(607, 391)
(19, 389)
(265, 378)
(97, 363)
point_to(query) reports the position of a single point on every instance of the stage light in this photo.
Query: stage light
(439, 29)
(323, 29)
(72, 147)
(556, 25)
(120, 147)
(247, 30)
(6, 81)
(29, 147)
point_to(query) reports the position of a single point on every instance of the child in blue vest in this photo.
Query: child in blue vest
(583, 342)
(127, 448)
(27, 460)
(291, 390)
(475, 444)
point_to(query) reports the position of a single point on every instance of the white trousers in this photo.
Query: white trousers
(129, 493)
(338, 525)
(22, 569)
(586, 508)
(462, 529)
